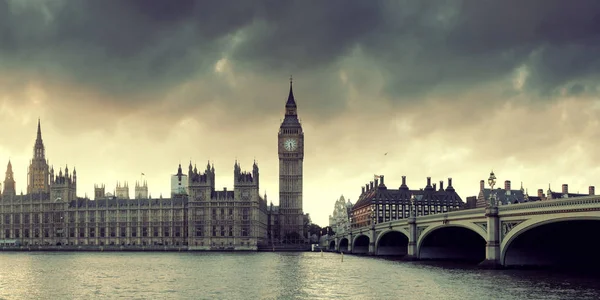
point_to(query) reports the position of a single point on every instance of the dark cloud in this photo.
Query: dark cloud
(120, 46)
(421, 47)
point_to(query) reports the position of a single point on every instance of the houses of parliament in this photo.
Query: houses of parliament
(195, 216)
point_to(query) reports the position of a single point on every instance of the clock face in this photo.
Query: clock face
(290, 144)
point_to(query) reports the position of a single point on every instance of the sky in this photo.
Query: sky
(445, 88)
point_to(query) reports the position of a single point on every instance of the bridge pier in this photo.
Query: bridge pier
(372, 246)
(492, 249)
(412, 239)
(350, 242)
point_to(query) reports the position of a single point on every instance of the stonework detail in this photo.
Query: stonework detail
(483, 225)
(420, 230)
(508, 226)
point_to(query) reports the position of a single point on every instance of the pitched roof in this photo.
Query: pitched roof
(506, 197)
(403, 194)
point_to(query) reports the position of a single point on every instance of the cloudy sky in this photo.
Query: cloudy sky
(447, 89)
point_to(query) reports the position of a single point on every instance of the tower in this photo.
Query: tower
(99, 191)
(38, 175)
(141, 190)
(291, 156)
(122, 191)
(9, 183)
(64, 186)
(201, 186)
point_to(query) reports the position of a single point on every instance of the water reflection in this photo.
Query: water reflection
(271, 276)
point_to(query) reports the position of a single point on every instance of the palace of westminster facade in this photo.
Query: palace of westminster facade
(201, 218)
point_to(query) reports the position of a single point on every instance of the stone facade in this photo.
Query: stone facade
(206, 219)
(378, 204)
(235, 220)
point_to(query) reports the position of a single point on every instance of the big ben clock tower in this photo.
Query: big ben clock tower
(291, 156)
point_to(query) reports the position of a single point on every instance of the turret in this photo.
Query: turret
(64, 187)
(141, 189)
(9, 183)
(52, 175)
(255, 173)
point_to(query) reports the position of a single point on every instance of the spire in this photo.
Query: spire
(522, 186)
(38, 148)
(9, 182)
(291, 102)
(39, 130)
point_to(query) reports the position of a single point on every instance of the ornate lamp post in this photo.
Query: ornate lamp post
(492, 182)
(413, 211)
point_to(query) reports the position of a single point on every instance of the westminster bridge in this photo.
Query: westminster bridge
(552, 232)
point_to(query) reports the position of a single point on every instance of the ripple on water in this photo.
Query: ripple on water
(269, 276)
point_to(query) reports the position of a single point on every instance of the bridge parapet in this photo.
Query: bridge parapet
(453, 214)
(575, 202)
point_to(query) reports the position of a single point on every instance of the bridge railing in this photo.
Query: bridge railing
(583, 201)
(453, 214)
(467, 213)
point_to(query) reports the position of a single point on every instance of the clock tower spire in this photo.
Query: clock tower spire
(291, 156)
(290, 105)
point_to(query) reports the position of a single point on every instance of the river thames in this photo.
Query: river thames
(144, 275)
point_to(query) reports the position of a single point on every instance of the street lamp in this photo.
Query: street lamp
(413, 212)
(492, 182)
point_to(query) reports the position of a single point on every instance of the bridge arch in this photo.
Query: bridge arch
(343, 247)
(551, 240)
(360, 245)
(455, 241)
(392, 242)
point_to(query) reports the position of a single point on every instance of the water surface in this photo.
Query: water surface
(68, 275)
